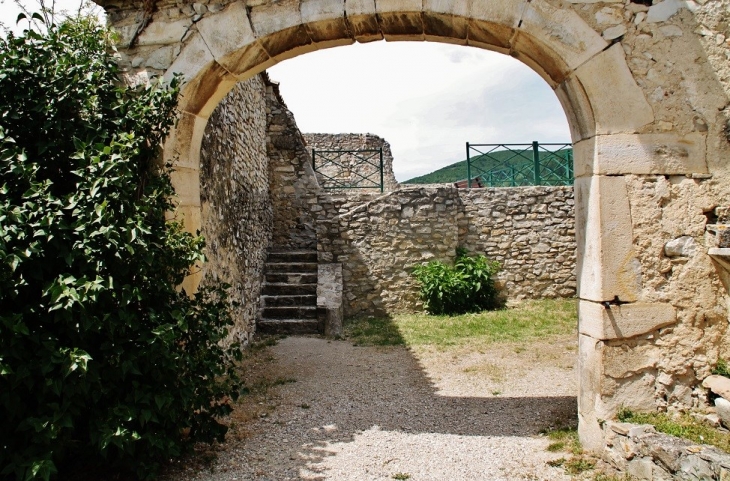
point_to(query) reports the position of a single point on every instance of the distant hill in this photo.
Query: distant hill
(498, 162)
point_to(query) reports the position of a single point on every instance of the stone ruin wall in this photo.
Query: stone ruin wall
(355, 169)
(380, 238)
(292, 183)
(236, 205)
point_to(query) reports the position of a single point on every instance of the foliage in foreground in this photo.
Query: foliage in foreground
(102, 361)
(681, 426)
(528, 321)
(468, 286)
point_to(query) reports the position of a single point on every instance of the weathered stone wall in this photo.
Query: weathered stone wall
(292, 182)
(644, 454)
(236, 206)
(380, 238)
(354, 168)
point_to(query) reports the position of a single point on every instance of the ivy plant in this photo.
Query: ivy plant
(102, 359)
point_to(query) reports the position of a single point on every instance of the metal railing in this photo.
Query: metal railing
(513, 165)
(349, 169)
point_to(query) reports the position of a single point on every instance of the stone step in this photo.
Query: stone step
(293, 256)
(289, 312)
(291, 267)
(278, 301)
(288, 326)
(286, 289)
(291, 278)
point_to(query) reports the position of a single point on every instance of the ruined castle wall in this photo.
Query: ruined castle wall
(236, 205)
(353, 168)
(380, 238)
(292, 182)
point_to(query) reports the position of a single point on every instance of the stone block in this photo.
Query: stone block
(228, 34)
(275, 17)
(626, 109)
(577, 108)
(623, 321)
(329, 298)
(666, 154)
(187, 186)
(362, 20)
(191, 61)
(590, 372)
(490, 36)
(558, 40)
(607, 266)
(500, 12)
(183, 143)
(444, 27)
(164, 33)
(202, 94)
(325, 19)
(720, 385)
(400, 19)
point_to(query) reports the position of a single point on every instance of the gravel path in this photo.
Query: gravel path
(339, 412)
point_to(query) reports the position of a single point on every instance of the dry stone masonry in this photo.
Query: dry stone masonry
(645, 89)
(380, 238)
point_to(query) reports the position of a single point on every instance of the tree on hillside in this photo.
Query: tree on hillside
(102, 360)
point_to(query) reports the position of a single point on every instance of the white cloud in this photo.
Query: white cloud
(426, 99)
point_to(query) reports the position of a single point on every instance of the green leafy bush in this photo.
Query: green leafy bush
(101, 359)
(468, 286)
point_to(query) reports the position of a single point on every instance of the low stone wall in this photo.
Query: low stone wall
(380, 238)
(647, 455)
(356, 169)
(236, 206)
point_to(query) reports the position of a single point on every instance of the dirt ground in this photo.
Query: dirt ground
(327, 410)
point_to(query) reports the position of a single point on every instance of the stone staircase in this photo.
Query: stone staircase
(288, 303)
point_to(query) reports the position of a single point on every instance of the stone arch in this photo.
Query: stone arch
(612, 128)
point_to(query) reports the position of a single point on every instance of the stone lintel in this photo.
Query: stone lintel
(623, 321)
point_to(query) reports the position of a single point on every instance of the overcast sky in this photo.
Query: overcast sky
(426, 99)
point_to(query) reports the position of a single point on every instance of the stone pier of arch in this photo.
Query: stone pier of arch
(645, 90)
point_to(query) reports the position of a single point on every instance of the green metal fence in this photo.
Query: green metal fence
(513, 165)
(349, 169)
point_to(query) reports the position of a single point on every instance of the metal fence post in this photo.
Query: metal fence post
(381, 170)
(468, 167)
(314, 163)
(536, 161)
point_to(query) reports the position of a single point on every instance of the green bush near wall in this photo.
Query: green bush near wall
(102, 360)
(467, 286)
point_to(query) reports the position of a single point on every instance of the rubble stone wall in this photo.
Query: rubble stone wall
(236, 205)
(353, 167)
(380, 238)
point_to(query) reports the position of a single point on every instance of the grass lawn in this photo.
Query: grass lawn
(529, 320)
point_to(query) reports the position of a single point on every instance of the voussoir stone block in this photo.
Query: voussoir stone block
(607, 264)
(164, 33)
(227, 32)
(626, 109)
(325, 19)
(562, 31)
(623, 321)
(191, 61)
(667, 154)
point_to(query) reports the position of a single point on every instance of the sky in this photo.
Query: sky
(426, 99)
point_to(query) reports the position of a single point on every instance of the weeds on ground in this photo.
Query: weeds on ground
(528, 321)
(563, 439)
(681, 426)
(401, 476)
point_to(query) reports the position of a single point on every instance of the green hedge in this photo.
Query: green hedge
(102, 361)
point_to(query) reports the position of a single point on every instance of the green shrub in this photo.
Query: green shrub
(468, 286)
(102, 361)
